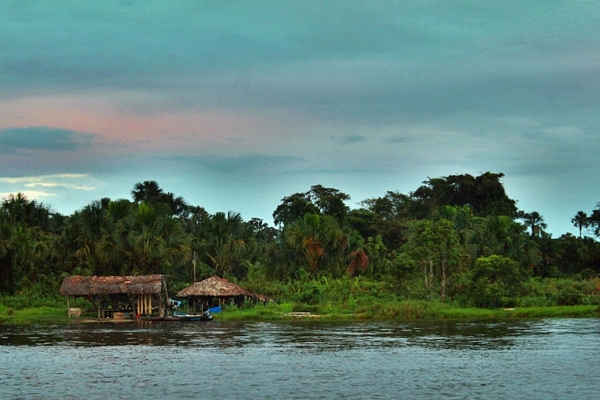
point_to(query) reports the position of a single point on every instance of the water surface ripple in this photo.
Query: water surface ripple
(528, 359)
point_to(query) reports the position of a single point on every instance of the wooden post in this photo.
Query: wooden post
(68, 307)
(98, 305)
(160, 305)
(194, 267)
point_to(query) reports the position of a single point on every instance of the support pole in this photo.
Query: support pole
(194, 267)
(160, 305)
(68, 307)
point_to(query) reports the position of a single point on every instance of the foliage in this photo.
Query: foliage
(457, 239)
(496, 282)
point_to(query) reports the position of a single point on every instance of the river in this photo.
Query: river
(520, 359)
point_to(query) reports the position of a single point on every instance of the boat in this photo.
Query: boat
(205, 316)
(178, 316)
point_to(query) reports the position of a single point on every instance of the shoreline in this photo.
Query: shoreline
(57, 316)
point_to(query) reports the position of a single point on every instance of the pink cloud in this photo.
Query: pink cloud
(108, 117)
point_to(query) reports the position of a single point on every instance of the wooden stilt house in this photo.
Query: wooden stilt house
(139, 295)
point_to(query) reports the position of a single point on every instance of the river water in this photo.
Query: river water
(523, 359)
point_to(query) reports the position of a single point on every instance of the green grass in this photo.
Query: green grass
(405, 310)
(33, 315)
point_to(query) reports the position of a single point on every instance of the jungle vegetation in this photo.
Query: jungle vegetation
(456, 239)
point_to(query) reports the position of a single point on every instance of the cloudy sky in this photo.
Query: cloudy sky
(235, 104)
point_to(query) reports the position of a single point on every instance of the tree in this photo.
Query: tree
(484, 194)
(496, 281)
(19, 209)
(23, 252)
(436, 247)
(447, 249)
(359, 261)
(228, 242)
(391, 206)
(580, 220)
(293, 207)
(176, 203)
(594, 220)
(318, 200)
(330, 202)
(534, 221)
(147, 240)
(314, 235)
(148, 191)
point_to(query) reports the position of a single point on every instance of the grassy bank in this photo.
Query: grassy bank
(407, 310)
(353, 298)
(33, 315)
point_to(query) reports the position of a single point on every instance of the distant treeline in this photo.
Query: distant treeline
(455, 238)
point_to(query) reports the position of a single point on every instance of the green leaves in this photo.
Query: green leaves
(496, 281)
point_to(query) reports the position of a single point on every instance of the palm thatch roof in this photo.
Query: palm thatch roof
(213, 287)
(102, 285)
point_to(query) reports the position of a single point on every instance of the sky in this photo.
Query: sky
(234, 105)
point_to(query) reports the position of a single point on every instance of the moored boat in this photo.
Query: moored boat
(205, 316)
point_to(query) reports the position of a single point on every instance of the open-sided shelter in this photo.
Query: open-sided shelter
(139, 294)
(213, 291)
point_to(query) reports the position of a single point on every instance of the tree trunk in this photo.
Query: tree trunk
(430, 278)
(443, 282)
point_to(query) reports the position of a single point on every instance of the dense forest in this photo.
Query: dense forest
(457, 238)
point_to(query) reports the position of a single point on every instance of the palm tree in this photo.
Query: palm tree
(580, 220)
(359, 262)
(147, 240)
(535, 221)
(148, 191)
(19, 208)
(228, 241)
(314, 235)
(177, 204)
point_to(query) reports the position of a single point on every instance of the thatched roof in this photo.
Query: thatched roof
(213, 287)
(101, 285)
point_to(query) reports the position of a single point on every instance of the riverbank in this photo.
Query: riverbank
(33, 315)
(407, 310)
(416, 310)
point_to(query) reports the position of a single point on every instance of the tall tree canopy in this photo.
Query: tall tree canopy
(318, 200)
(484, 194)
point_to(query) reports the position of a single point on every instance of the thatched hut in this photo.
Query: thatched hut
(140, 294)
(214, 291)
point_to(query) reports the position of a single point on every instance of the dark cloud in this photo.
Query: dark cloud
(422, 88)
(351, 139)
(15, 140)
(398, 139)
(341, 60)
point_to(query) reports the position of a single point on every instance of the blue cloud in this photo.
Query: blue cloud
(15, 140)
(349, 139)
(258, 163)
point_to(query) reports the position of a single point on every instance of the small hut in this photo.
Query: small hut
(140, 294)
(212, 292)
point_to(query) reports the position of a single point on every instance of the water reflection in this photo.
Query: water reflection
(303, 359)
(302, 335)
